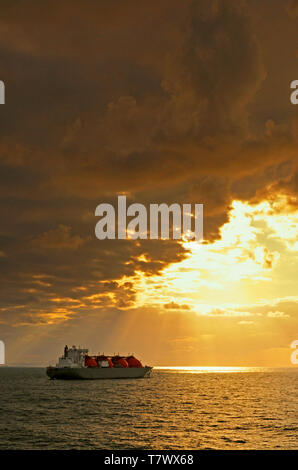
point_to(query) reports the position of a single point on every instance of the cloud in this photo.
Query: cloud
(175, 306)
(181, 106)
(57, 239)
(277, 314)
(292, 8)
(218, 312)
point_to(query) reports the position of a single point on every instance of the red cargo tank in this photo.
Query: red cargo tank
(110, 362)
(122, 362)
(90, 362)
(105, 358)
(133, 362)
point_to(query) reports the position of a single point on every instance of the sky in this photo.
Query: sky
(168, 101)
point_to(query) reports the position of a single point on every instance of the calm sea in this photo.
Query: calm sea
(173, 409)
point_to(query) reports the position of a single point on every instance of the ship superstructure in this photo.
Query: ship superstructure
(73, 357)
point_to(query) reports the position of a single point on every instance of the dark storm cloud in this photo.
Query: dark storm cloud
(292, 8)
(168, 101)
(132, 113)
(59, 269)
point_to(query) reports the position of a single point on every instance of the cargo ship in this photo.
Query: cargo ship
(76, 364)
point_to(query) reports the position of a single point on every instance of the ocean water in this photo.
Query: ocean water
(173, 409)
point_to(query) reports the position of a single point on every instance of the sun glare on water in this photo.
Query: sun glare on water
(208, 369)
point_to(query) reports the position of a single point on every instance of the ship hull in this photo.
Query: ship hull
(94, 373)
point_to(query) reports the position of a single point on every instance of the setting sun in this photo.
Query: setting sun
(246, 267)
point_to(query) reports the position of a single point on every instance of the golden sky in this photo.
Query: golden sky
(167, 101)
